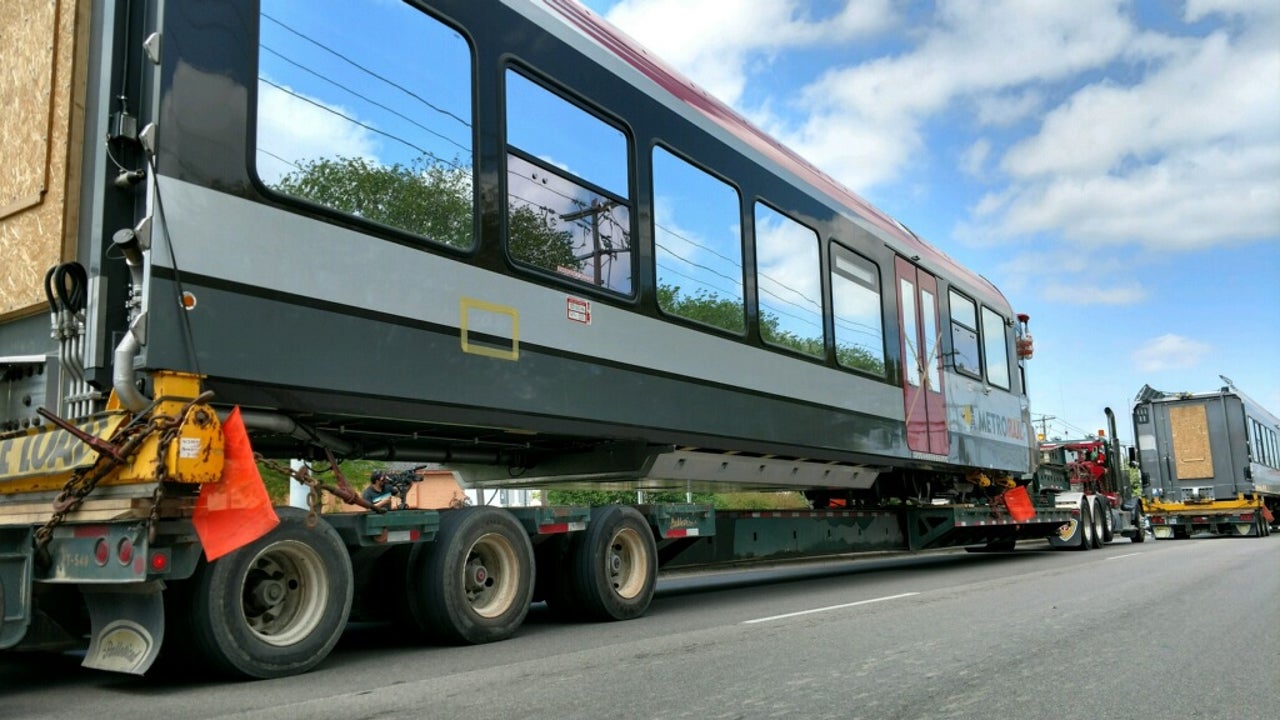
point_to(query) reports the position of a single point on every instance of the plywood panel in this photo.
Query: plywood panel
(41, 91)
(1192, 452)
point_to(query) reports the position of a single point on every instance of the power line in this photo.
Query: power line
(367, 99)
(357, 65)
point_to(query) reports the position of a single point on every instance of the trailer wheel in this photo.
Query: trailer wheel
(1108, 522)
(474, 583)
(275, 607)
(1086, 525)
(613, 565)
(1141, 534)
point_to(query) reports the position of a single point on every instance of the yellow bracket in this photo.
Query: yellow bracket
(43, 459)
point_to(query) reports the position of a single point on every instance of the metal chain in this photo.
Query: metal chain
(85, 480)
(306, 478)
(315, 494)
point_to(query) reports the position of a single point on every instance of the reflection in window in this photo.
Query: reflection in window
(929, 313)
(911, 359)
(788, 278)
(995, 346)
(855, 299)
(698, 240)
(964, 335)
(567, 211)
(376, 123)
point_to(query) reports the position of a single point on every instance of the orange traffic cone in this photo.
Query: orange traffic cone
(235, 510)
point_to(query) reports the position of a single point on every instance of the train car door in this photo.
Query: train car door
(922, 386)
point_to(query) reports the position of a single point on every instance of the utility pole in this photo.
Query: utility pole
(594, 212)
(1044, 424)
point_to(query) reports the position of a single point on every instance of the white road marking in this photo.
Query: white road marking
(1117, 557)
(825, 609)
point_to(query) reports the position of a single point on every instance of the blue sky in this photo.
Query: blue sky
(1113, 167)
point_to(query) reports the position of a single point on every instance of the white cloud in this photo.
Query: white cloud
(1170, 352)
(293, 128)
(1001, 109)
(1197, 10)
(973, 160)
(865, 122)
(1173, 143)
(1128, 293)
(715, 47)
(1187, 156)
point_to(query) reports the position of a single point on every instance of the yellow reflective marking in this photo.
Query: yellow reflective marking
(494, 321)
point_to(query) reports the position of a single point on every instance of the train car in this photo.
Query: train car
(1210, 462)
(496, 235)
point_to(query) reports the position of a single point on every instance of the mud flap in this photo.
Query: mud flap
(128, 626)
(16, 553)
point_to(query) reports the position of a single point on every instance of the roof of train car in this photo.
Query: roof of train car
(629, 51)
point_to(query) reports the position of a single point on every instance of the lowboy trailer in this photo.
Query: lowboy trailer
(493, 234)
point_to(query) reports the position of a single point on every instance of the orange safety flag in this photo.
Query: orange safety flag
(235, 510)
(1019, 504)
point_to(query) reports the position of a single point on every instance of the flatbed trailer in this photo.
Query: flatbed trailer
(1210, 462)
(472, 265)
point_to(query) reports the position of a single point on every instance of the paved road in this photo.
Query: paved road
(1184, 629)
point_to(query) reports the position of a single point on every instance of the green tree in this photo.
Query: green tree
(534, 239)
(703, 306)
(427, 197)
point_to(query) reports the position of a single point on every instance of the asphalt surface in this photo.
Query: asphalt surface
(1184, 629)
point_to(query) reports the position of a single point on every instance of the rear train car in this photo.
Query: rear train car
(495, 235)
(1210, 462)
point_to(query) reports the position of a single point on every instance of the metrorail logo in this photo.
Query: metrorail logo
(994, 424)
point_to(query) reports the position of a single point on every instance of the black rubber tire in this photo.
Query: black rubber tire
(1108, 522)
(613, 565)
(473, 584)
(1141, 535)
(302, 574)
(1099, 522)
(1086, 525)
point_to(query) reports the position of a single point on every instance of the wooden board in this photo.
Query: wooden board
(42, 82)
(1192, 453)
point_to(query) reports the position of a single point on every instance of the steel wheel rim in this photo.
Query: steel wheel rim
(284, 593)
(491, 575)
(627, 569)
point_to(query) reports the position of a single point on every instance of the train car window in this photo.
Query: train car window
(910, 331)
(995, 345)
(788, 275)
(964, 335)
(374, 124)
(567, 189)
(1275, 447)
(1274, 443)
(1257, 441)
(929, 313)
(857, 310)
(697, 232)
